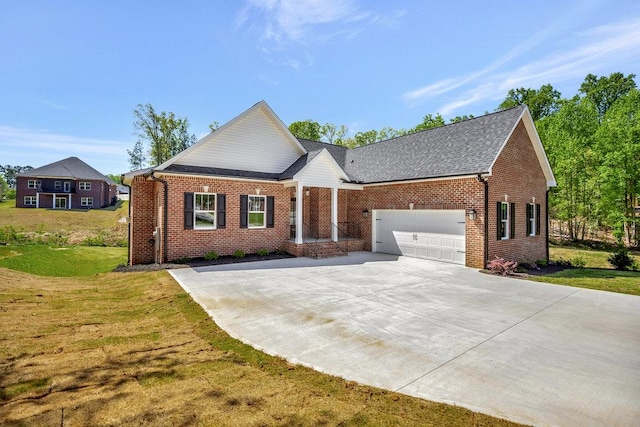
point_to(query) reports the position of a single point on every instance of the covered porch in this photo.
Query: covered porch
(320, 224)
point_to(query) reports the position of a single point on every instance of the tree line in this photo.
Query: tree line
(592, 141)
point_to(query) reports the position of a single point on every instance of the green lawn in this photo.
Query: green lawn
(61, 261)
(597, 274)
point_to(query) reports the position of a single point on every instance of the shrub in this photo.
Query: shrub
(502, 266)
(263, 252)
(211, 255)
(182, 260)
(239, 253)
(578, 261)
(621, 260)
(542, 262)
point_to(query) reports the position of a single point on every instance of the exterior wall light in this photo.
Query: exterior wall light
(365, 213)
(471, 213)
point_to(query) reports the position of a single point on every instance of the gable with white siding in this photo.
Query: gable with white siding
(254, 141)
(321, 171)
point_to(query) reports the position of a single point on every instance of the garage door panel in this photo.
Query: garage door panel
(431, 234)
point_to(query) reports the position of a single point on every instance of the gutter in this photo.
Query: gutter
(485, 181)
(546, 218)
(166, 213)
(129, 221)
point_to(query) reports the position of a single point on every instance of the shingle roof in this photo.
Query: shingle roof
(71, 167)
(468, 147)
(232, 173)
(463, 148)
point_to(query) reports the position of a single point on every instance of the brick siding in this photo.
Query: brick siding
(101, 192)
(516, 173)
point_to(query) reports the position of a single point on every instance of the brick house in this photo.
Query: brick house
(462, 193)
(66, 184)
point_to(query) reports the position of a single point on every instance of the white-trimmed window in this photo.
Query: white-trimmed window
(32, 183)
(83, 185)
(86, 201)
(30, 200)
(204, 210)
(533, 219)
(57, 185)
(503, 220)
(257, 211)
(506, 221)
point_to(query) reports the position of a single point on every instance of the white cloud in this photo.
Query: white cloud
(52, 105)
(22, 146)
(601, 48)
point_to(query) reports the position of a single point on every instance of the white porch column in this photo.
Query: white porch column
(37, 200)
(334, 214)
(69, 202)
(299, 231)
(54, 201)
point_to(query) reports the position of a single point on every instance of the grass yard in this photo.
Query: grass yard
(597, 274)
(69, 261)
(133, 349)
(73, 226)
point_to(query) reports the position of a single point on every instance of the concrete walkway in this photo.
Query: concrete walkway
(529, 352)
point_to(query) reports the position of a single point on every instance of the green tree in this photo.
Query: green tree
(618, 140)
(166, 134)
(461, 118)
(11, 172)
(3, 188)
(306, 129)
(429, 121)
(214, 126)
(542, 102)
(603, 91)
(334, 134)
(136, 156)
(569, 139)
(115, 178)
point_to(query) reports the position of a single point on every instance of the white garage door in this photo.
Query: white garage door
(429, 234)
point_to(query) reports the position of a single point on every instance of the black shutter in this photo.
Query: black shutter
(537, 219)
(499, 221)
(270, 209)
(244, 210)
(529, 206)
(188, 211)
(512, 221)
(221, 211)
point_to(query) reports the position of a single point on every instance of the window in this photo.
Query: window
(533, 219)
(33, 183)
(67, 187)
(257, 211)
(506, 215)
(84, 185)
(86, 201)
(204, 210)
(57, 185)
(29, 200)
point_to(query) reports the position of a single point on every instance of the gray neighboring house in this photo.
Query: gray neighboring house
(66, 184)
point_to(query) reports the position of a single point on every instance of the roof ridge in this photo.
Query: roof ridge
(441, 127)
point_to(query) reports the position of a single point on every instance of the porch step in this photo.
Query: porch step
(324, 250)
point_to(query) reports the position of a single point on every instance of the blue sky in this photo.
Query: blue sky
(72, 72)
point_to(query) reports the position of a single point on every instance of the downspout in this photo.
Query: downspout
(128, 222)
(546, 218)
(485, 181)
(166, 214)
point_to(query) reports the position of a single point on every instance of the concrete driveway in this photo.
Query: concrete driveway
(529, 352)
